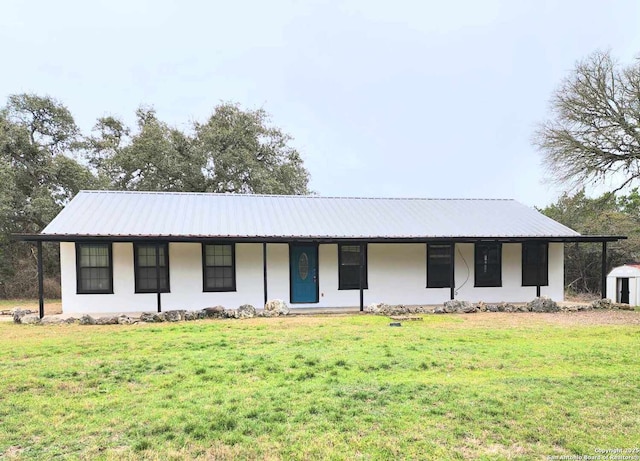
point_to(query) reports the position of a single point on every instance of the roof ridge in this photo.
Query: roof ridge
(291, 196)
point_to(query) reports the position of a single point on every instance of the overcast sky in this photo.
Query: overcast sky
(383, 98)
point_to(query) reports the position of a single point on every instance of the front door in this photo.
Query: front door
(623, 294)
(303, 269)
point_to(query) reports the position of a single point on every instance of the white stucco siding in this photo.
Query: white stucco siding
(185, 278)
(512, 289)
(396, 275)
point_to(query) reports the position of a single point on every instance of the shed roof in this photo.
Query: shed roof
(202, 215)
(628, 270)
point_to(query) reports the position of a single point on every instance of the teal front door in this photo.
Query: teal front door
(303, 269)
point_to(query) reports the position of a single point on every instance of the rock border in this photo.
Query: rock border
(273, 308)
(541, 304)
(277, 307)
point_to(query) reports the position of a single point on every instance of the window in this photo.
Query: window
(535, 269)
(349, 267)
(218, 267)
(94, 268)
(438, 266)
(488, 265)
(147, 273)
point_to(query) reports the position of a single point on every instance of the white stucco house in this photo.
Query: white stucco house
(142, 251)
(623, 284)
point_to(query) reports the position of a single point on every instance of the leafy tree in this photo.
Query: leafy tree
(604, 215)
(157, 157)
(242, 153)
(594, 133)
(37, 181)
(233, 151)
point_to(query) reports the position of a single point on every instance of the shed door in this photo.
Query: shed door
(623, 290)
(303, 269)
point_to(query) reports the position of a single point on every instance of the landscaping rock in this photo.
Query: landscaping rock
(439, 310)
(146, 317)
(246, 311)
(492, 308)
(174, 316)
(543, 304)
(51, 320)
(506, 307)
(87, 320)
(230, 314)
(468, 309)
(107, 320)
(19, 313)
(192, 315)
(602, 304)
(522, 308)
(126, 320)
(70, 320)
(458, 306)
(481, 307)
(216, 312)
(275, 308)
(30, 319)
(400, 309)
(376, 308)
(152, 317)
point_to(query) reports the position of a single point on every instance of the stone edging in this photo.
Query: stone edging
(273, 308)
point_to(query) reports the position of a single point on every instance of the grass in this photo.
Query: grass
(483, 386)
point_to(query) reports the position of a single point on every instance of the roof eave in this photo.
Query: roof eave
(318, 239)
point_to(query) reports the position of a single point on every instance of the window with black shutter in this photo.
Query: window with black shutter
(438, 266)
(535, 266)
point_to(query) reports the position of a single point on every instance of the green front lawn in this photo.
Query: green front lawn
(492, 386)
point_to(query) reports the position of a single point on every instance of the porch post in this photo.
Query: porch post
(361, 281)
(452, 273)
(40, 281)
(264, 270)
(603, 279)
(158, 275)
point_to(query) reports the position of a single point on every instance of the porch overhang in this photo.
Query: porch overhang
(264, 240)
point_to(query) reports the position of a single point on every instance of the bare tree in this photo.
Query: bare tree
(594, 133)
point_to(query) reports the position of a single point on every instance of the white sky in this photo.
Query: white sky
(383, 98)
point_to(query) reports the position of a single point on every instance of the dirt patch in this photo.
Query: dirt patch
(521, 319)
(50, 307)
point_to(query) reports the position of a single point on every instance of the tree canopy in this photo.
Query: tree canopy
(594, 132)
(45, 160)
(605, 215)
(234, 151)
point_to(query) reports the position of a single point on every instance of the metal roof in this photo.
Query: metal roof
(169, 214)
